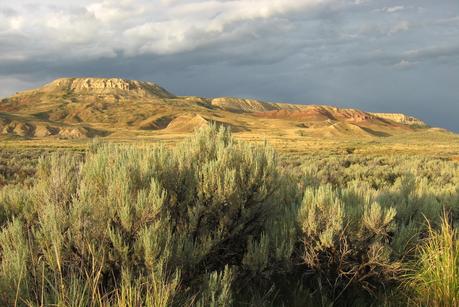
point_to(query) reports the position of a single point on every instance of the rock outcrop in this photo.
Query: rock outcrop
(115, 86)
(318, 113)
(401, 119)
(242, 105)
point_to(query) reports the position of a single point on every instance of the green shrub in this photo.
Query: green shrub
(346, 247)
(150, 225)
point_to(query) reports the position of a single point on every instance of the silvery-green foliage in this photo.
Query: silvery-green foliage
(14, 262)
(344, 244)
(218, 222)
(136, 225)
(321, 220)
(217, 290)
(14, 201)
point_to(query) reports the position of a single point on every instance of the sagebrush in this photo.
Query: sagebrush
(219, 222)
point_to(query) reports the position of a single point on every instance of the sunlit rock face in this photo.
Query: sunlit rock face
(108, 86)
(401, 118)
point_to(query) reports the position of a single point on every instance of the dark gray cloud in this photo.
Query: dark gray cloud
(377, 55)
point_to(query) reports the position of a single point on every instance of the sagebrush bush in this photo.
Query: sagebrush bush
(218, 222)
(149, 225)
(347, 246)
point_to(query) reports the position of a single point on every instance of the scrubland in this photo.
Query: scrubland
(218, 221)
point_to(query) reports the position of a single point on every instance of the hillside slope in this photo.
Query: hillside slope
(88, 107)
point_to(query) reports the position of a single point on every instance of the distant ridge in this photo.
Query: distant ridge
(115, 107)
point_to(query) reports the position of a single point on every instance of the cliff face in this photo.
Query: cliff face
(240, 104)
(401, 118)
(114, 86)
(317, 113)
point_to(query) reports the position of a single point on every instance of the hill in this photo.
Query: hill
(113, 107)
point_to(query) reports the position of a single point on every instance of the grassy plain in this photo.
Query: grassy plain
(19, 156)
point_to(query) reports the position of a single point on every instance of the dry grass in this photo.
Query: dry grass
(436, 275)
(434, 144)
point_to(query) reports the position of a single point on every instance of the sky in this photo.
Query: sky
(375, 55)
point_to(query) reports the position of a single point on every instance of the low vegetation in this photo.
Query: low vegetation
(436, 280)
(218, 222)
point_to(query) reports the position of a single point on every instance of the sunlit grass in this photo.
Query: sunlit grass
(436, 274)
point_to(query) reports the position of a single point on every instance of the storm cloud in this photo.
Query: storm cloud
(376, 55)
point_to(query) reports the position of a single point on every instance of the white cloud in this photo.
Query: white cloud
(434, 52)
(110, 11)
(450, 20)
(141, 26)
(400, 26)
(238, 31)
(394, 9)
(188, 26)
(16, 22)
(404, 64)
